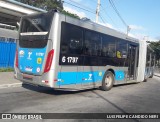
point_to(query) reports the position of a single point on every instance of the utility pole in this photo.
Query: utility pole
(128, 30)
(97, 10)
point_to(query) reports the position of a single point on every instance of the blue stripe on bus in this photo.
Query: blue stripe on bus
(67, 78)
(119, 75)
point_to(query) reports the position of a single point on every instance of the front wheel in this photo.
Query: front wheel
(108, 81)
(145, 80)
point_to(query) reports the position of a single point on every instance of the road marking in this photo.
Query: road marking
(10, 85)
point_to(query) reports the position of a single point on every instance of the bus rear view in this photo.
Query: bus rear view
(34, 51)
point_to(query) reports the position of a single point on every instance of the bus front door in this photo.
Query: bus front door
(132, 64)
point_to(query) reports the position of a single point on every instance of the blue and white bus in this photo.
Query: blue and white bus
(59, 51)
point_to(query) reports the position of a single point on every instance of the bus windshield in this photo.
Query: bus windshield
(36, 23)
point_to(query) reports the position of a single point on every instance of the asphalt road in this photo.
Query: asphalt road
(142, 97)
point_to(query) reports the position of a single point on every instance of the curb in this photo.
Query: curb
(10, 85)
(157, 75)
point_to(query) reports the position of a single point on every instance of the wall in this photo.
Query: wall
(7, 54)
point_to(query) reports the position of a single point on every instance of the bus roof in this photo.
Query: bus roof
(88, 24)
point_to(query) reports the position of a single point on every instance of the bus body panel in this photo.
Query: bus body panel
(142, 61)
(88, 75)
(31, 60)
(55, 34)
(150, 62)
(31, 66)
(82, 76)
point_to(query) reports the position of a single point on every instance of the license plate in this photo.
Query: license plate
(27, 77)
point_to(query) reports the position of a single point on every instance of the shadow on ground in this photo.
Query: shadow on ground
(61, 91)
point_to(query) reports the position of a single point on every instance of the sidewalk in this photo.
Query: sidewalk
(157, 74)
(7, 80)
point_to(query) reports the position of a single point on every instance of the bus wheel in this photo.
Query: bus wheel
(108, 81)
(145, 80)
(151, 76)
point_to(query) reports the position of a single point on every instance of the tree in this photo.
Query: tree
(49, 5)
(70, 14)
(44, 4)
(156, 47)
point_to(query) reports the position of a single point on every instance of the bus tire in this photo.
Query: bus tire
(108, 80)
(145, 80)
(151, 76)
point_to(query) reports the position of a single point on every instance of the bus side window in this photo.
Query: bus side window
(92, 43)
(75, 46)
(86, 47)
(109, 46)
(121, 49)
(153, 60)
(111, 49)
(71, 39)
(64, 49)
(104, 51)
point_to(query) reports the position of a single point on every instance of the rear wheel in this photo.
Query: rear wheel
(108, 81)
(151, 75)
(145, 80)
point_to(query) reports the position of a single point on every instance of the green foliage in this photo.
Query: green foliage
(48, 5)
(6, 69)
(44, 4)
(156, 47)
(70, 14)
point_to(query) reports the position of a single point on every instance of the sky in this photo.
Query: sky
(142, 16)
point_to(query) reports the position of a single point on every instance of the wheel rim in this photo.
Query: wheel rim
(108, 81)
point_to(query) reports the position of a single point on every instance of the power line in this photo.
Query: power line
(106, 13)
(83, 5)
(89, 10)
(102, 19)
(79, 7)
(114, 7)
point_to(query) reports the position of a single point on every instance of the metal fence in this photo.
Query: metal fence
(7, 54)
